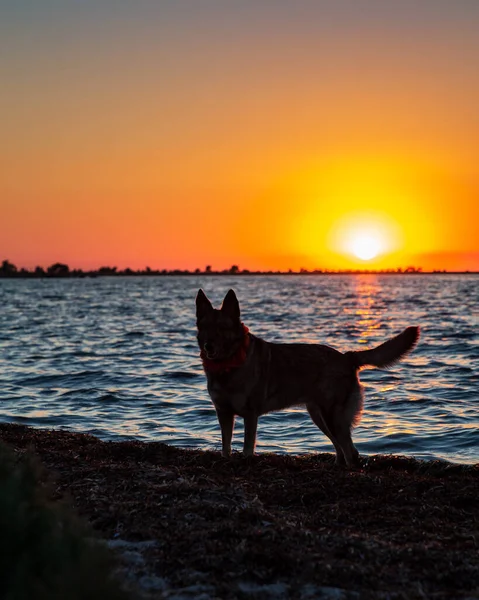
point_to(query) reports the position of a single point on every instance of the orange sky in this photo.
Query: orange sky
(265, 134)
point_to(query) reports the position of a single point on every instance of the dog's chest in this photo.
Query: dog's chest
(228, 397)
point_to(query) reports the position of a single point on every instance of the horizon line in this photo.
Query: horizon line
(9, 270)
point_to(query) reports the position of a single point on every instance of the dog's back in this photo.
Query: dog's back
(281, 375)
(292, 374)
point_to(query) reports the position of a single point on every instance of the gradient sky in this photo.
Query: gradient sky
(261, 133)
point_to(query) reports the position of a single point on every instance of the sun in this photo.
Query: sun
(365, 246)
(365, 236)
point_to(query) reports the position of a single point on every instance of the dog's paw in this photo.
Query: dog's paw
(355, 464)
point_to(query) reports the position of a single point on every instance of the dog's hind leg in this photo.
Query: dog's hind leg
(341, 419)
(342, 431)
(317, 418)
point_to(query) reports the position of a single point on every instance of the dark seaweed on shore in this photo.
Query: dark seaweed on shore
(395, 528)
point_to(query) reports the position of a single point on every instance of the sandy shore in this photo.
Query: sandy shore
(193, 525)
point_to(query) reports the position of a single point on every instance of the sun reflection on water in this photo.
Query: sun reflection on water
(367, 289)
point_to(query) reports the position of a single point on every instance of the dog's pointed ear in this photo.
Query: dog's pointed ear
(203, 305)
(230, 306)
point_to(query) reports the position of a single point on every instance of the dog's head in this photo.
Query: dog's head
(220, 332)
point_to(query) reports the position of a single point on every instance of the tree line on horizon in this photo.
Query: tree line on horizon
(8, 269)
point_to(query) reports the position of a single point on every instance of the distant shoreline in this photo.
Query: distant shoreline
(179, 273)
(10, 271)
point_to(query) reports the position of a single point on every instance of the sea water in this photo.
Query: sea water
(117, 357)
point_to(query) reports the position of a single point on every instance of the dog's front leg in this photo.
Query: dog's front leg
(226, 419)
(250, 427)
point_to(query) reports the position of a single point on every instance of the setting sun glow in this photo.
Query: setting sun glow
(177, 135)
(365, 246)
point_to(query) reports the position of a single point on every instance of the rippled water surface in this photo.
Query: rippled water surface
(117, 357)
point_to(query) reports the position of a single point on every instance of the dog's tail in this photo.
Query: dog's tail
(389, 353)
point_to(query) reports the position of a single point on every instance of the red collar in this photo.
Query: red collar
(238, 358)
